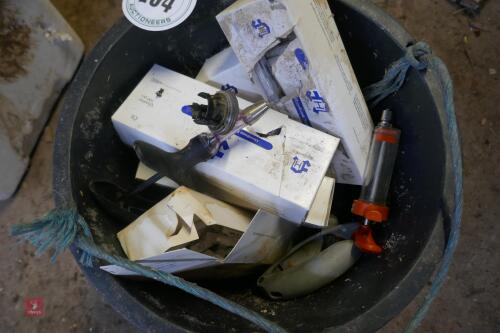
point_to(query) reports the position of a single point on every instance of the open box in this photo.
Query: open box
(160, 237)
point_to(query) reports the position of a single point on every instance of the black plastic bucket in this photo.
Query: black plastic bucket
(367, 296)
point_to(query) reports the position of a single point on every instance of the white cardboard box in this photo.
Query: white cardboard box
(314, 71)
(280, 173)
(317, 217)
(149, 238)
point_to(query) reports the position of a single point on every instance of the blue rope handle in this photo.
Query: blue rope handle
(61, 228)
(420, 57)
(437, 65)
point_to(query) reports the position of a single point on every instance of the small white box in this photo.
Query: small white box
(306, 57)
(171, 223)
(280, 173)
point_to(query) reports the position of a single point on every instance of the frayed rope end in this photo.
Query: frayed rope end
(57, 231)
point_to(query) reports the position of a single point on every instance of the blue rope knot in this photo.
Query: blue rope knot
(415, 57)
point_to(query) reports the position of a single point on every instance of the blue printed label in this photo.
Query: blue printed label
(301, 58)
(299, 166)
(228, 87)
(319, 104)
(301, 111)
(223, 147)
(254, 139)
(261, 28)
(186, 109)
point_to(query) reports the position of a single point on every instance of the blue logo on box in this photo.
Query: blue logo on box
(318, 101)
(261, 27)
(299, 166)
(228, 87)
(301, 111)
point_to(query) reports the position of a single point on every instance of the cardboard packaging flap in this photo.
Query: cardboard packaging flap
(170, 223)
(266, 239)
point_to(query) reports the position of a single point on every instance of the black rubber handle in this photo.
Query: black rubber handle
(176, 166)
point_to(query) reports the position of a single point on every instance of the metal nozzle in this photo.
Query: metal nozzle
(386, 119)
(222, 115)
(247, 117)
(254, 112)
(387, 115)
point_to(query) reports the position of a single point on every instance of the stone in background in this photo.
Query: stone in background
(39, 53)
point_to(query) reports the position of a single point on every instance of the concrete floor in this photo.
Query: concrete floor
(469, 302)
